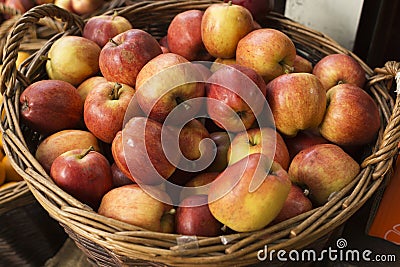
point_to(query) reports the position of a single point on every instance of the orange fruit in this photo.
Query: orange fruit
(10, 173)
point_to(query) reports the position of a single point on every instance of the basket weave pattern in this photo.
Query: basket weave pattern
(111, 242)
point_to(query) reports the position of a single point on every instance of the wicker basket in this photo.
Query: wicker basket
(112, 243)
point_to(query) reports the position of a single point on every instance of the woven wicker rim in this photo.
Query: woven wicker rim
(123, 242)
(35, 39)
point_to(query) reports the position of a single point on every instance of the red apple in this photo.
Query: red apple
(335, 69)
(259, 140)
(190, 138)
(146, 144)
(352, 116)
(296, 203)
(80, 63)
(222, 26)
(87, 85)
(105, 107)
(200, 183)
(193, 217)
(131, 204)
(302, 64)
(297, 102)
(48, 106)
(102, 28)
(222, 140)
(254, 181)
(184, 36)
(258, 8)
(117, 151)
(235, 97)
(164, 44)
(21, 5)
(123, 56)
(62, 141)
(118, 177)
(168, 82)
(302, 140)
(84, 174)
(275, 57)
(323, 169)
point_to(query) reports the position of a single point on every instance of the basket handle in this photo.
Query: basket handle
(9, 72)
(388, 148)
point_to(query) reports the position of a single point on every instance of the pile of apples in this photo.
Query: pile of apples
(79, 7)
(282, 134)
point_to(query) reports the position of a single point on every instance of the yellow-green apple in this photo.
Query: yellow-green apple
(302, 64)
(297, 102)
(184, 36)
(65, 66)
(105, 107)
(48, 106)
(101, 28)
(87, 85)
(235, 202)
(117, 151)
(258, 8)
(169, 82)
(335, 69)
(146, 145)
(302, 140)
(190, 138)
(273, 58)
(222, 26)
(323, 169)
(263, 140)
(125, 54)
(84, 174)
(62, 141)
(200, 183)
(235, 97)
(296, 203)
(222, 140)
(193, 218)
(86, 7)
(220, 62)
(131, 204)
(352, 116)
(118, 177)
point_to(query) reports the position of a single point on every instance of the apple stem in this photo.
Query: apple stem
(114, 14)
(43, 57)
(85, 152)
(112, 41)
(229, 3)
(286, 68)
(223, 228)
(115, 93)
(171, 211)
(306, 192)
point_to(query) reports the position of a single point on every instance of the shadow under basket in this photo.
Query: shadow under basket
(108, 242)
(28, 235)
